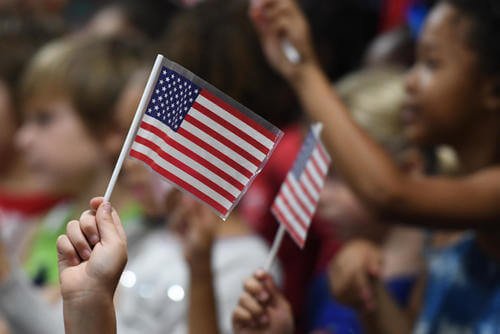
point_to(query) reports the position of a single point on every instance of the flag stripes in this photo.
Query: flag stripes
(296, 201)
(212, 149)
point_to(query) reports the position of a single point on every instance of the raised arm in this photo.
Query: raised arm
(89, 271)
(197, 226)
(441, 202)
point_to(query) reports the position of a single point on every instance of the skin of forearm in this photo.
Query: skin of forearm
(364, 164)
(387, 317)
(90, 315)
(202, 307)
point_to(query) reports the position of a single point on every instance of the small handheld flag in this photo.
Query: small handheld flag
(297, 199)
(199, 139)
(296, 202)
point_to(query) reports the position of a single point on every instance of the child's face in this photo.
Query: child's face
(443, 98)
(57, 146)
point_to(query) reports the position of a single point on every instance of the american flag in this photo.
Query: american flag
(297, 199)
(202, 140)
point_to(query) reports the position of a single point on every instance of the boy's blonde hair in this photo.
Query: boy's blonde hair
(90, 71)
(375, 97)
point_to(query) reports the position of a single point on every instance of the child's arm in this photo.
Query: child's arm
(389, 193)
(197, 226)
(89, 270)
(262, 309)
(354, 281)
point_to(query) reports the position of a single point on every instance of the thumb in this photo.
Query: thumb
(105, 224)
(95, 203)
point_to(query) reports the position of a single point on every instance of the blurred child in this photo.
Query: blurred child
(21, 197)
(69, 92)
(216, 41)
(374, 97)
(452, 98)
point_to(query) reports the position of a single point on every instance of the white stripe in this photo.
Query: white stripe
(300, 194)
(314, 174)
(219, 146)
(235, 121)
(197, 149)
(288, 195)
(202, 187)
(322, 164)
(290, 218)
(306, 181)
(190, 162)
(228, 134)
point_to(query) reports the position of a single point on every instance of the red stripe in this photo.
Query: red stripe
(216, 135)
(281, 218)
(311, 181)
(297, 197)
(193, 155)
(306, 192)
(316, 162)
(182, 166)
(243, 135)
(238, 114)
(222, 156)
(323, 154)
(316, 167)
(173, 178)
(294, 213)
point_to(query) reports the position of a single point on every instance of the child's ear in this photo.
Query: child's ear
(492, 94)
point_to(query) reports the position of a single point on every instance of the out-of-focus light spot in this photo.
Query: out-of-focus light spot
(176, 293)
(128, 279)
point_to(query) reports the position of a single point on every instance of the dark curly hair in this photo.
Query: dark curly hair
(484, 32)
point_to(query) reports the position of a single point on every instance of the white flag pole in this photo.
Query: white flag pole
(274, 249)
(290, 52)
(141, 108)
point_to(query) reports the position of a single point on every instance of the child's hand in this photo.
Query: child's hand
(352, 274)
(262, 308)
(197, 225)
(279, 20)
(92, 254)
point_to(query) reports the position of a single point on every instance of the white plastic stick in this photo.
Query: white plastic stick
(141, 108)
(290, 51)
(274, 249)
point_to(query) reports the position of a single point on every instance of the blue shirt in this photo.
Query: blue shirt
(463, 291)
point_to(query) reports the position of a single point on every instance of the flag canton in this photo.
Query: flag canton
(305, 152)
(172, 98)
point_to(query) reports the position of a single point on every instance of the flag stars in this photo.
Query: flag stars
(172, 98)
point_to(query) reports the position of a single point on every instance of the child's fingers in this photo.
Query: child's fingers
(88, 225)
(365, 291)
(66, 253)
(118, 225)
(256, 288)
(78, 240)
(248, 302)
(273, 11)
(241, 318)
(105, 224)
